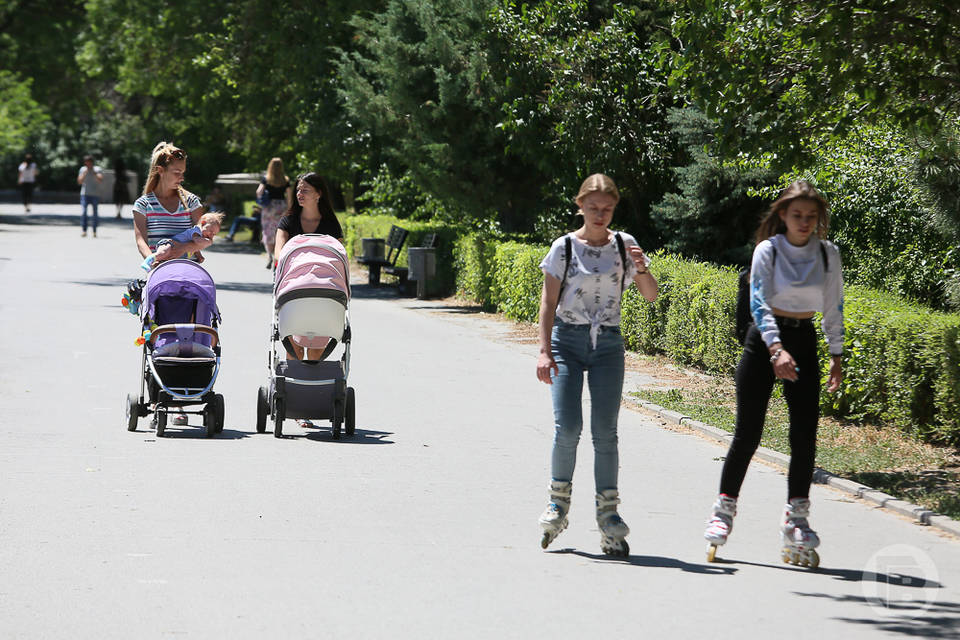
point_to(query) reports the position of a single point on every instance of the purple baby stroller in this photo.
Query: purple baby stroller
(181, 351)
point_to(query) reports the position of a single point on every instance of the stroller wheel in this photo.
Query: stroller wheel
(350, 412)
(218, 410)
(263, 409)
(133, 412)
(161, 422)
(209, 420)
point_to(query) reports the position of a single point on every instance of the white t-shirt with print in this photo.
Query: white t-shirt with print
(592, 292)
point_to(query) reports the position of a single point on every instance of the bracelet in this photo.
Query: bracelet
(776, 354)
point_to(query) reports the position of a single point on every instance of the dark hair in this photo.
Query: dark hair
(771, 224)
(325, 204)
(28, 157)
(88, 158)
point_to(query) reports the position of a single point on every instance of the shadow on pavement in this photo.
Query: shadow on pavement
(471, 309)
(653, 562)
(370, 292)
(325, 434)
(196, 432)
(918, 618)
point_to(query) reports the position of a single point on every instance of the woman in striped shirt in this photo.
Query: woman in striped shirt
(165, 208)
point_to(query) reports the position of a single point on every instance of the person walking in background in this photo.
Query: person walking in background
(121, 192)
(585, 275)
(795, 272)
(89, 177)
(27, 180)
(273, 196)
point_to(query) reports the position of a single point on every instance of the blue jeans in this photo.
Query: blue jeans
(93, 201)
(574, 355)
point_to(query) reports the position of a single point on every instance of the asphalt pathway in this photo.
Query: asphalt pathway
(424, 525)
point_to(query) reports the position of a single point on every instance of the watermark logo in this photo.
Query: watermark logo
(900, 580)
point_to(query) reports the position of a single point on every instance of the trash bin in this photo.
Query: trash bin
(372, 248)
(423, 267)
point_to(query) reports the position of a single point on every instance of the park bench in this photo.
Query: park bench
(388, 263)
(403, 273)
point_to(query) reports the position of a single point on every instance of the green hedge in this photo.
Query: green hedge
(357, 227)
(901, 360)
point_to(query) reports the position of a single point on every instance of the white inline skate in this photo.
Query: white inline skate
(720, 524)
(798, 539)
(613, 530)
(554, 518)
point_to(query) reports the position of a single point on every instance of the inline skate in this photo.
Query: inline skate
(720, 524)
(798, 539)
(554, 518)
(613, 530)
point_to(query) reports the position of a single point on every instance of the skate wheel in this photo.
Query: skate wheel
(814, 560)
(711, 552)
(545, 541)
(785, 555)
(625, 551)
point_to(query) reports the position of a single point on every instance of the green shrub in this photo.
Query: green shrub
(357, 227)
(517, 281)
(473, 255)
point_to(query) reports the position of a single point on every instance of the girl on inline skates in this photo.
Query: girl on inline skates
(795, 272)
(585, 275)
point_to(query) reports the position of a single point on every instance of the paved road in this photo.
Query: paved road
(422, 526)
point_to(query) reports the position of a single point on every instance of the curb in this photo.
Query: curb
(917, 513)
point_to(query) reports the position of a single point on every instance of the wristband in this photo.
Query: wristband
(776, 354)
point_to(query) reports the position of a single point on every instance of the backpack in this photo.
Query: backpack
(743, 316)
(568, 250)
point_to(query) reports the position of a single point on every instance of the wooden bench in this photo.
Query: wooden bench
(403, 273)
(393, 245)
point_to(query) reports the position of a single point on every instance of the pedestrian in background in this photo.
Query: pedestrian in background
(795, 273)
(121, 191)
(89, 178)
(584, 276)
(273, 196)
(27, 180)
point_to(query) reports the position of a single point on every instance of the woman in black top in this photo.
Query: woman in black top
(311, 212)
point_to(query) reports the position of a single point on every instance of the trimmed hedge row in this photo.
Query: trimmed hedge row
(901, 360)
(357, 227)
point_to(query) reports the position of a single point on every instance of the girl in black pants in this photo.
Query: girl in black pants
(794, 274)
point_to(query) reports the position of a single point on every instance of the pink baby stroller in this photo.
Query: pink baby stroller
(311, 299)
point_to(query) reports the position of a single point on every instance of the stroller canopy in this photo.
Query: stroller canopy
(183, 280)
(312, 265)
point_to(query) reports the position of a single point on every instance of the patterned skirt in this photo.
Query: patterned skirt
(269, 219)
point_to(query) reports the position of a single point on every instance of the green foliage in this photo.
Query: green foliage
(879, 218)
(585, 93)
(793, 69)
(473, 256)
(357, 227)
(20, 115)
(401, 197)
(517, 281)
(716, 212)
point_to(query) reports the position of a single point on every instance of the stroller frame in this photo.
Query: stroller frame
(309, 389)
(164, 396)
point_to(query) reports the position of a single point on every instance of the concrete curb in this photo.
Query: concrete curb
(820, 476)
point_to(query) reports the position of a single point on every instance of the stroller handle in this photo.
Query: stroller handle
(199, 328)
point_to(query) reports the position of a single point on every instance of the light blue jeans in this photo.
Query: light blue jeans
(574, 355)
(92, 201)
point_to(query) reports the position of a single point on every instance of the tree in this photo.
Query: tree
(800, 71)
(20, 115)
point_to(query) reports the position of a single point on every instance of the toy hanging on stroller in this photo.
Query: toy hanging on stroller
(181, 347)
(311, 298)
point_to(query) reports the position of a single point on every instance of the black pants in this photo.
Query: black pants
(755, 380)
(26, 190)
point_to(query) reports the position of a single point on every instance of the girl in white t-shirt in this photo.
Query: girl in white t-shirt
(586, 272)
(27, 180)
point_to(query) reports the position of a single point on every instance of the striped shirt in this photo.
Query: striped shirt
(162, 224)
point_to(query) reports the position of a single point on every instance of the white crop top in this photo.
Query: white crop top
(592, 292)
(797, 281)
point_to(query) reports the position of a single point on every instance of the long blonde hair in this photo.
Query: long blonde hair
(275, 175)
(771, 224)
(162, 154)
(597, 183)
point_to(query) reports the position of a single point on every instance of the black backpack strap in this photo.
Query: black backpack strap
(623, 259)
(823, 252)
(567, 250)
